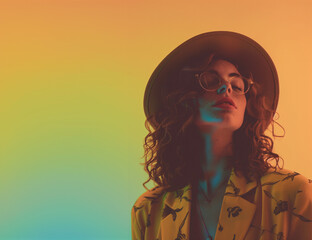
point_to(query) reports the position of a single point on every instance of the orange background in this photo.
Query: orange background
(73, 75)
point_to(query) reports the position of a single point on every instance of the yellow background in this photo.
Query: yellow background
(73, 75)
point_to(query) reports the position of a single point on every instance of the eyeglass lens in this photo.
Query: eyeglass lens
(212, 81)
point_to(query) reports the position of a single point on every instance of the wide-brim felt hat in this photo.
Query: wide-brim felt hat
(245, 52)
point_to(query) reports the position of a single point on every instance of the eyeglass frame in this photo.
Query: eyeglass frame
(248, 80)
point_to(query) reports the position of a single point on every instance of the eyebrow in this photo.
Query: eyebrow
(233, 74)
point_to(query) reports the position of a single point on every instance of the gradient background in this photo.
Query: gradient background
(73, 75)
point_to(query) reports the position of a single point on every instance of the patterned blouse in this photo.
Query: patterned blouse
(281, 210)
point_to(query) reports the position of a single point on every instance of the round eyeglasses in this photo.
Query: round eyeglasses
(211, 81)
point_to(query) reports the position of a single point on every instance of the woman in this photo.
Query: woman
(209, 102)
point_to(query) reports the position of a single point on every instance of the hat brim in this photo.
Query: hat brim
(242, 50)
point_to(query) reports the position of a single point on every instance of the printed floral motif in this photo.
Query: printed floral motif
(302, 218)
(291, 176)
(137, 208)
(168, 210)
(220, 228)
(234, 211)
(153, 198)
(235, 189)
(280, 236)
(269, 194)
(272, 230)
(270, 183)
(282, 205)
(148, 223)
(181, 235)
(179, 194)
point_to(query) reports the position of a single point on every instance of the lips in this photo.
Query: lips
(225, 102)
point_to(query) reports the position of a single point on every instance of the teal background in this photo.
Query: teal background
(73, 75)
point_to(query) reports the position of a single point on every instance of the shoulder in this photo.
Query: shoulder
(150, 201)
(156, 196)
(285, 183)
(150, 196)
(284, 175)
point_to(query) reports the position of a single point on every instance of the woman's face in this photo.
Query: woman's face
(223, 115)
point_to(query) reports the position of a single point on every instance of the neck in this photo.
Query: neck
(218, 151)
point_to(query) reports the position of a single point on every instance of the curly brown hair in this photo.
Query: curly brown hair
(173, 150)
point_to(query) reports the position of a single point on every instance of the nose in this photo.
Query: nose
(225, 87)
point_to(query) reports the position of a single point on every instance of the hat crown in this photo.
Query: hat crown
(235, 47)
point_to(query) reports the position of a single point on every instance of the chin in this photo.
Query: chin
(231, 125)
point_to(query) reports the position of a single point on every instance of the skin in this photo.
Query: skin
(218, 125)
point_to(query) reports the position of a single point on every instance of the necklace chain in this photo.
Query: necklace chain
(202, 218)
(208, 200)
